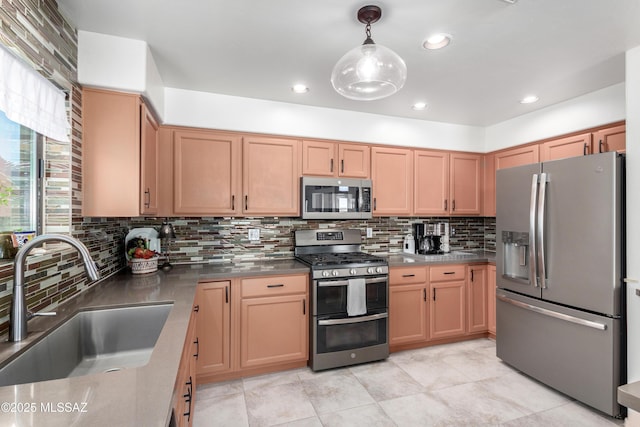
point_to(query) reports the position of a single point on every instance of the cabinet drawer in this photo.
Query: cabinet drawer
(275, 285)
(443, 273)
(406, 275)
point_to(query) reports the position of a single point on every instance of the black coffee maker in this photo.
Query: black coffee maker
(426, 244)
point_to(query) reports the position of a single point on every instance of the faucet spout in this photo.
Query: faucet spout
(19, 315)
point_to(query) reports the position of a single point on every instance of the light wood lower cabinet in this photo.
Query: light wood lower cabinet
(408, 306)
(491, 298)
(213, 300)
(274, 324)
(477, 319)
(447, 307)
(252, 325)
(185, 394)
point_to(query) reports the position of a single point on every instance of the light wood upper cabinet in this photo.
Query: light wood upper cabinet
(206, 167)
(355, 160)
(571, 146)
(431, 181)
(119, 155)
(447, 183)
(327, 158)
(319, 158)
(465, 184)
(214, 327)
(489, 189)
(271, 176)
(149, 188)
(610, 139)
(392, 177)
(517, 156)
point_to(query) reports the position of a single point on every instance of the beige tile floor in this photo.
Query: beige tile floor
(461, 384)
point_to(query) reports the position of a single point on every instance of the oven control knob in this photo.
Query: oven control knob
(353, 271)
(379, 270)
(335, 272)
(371, 270)
(325, 273)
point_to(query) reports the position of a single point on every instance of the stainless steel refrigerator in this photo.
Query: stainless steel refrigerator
(560, 268)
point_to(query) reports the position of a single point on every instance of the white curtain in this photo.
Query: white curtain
(31, 100)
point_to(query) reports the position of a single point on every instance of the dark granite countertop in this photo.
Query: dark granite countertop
(454, 257)
(143, 395)
(140, 396)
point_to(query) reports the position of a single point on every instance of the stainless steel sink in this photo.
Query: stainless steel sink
(92, 341)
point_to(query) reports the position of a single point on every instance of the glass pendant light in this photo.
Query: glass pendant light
(370, 71)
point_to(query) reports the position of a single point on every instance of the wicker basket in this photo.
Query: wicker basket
(142, 266)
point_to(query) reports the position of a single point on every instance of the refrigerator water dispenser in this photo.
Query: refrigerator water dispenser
(516, 251)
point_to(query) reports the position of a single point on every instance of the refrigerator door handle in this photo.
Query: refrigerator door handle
(533, 272)
(555, 314)
(542, 273)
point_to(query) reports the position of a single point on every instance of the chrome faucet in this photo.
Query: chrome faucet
(19, 315)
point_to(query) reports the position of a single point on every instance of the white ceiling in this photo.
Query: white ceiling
(556, 49)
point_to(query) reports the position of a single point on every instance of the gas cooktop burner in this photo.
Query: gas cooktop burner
(330, 259)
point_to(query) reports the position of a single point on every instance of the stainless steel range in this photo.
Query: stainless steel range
(349, 299)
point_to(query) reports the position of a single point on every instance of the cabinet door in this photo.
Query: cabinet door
(477, 298)
(273, 330)
(319, 158)
(110, 154)
(213, 327)
(465, 184)
(517, 157)
(447, 309)
(431, 182)
(571, 146)
(149, 162)
(610, 139)
(271, 176)
(206, 173)
(491, 298)
(489, 202)
(392, 176)
(407, 314)
(355, 160)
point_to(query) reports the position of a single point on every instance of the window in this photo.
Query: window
(21, 171)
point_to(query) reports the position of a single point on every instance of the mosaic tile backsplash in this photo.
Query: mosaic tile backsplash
(226, 239)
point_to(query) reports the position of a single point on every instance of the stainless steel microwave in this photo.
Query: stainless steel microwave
(335, 198)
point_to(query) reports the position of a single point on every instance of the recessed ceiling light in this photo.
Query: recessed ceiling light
(300, 88)
(437, 41)
(529, 99)
(419, 106)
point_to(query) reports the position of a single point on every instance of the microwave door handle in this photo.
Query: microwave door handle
(540, 229)
(533, 276)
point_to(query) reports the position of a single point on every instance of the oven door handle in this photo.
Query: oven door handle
(346, 282)
(352, 320)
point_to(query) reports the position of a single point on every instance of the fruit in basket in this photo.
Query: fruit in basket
(138, 248)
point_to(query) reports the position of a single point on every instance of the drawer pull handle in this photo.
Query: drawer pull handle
(408, 275)
(279, 285)
(449, 272)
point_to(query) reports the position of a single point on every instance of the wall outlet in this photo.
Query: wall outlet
(254, 234)
(369, 232)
